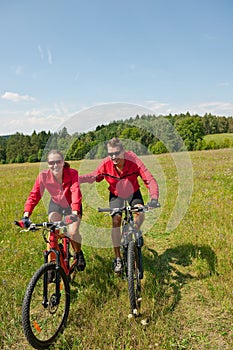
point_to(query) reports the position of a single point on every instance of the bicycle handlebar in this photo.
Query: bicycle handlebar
(46, 225)
(69, 219)
(134, 209)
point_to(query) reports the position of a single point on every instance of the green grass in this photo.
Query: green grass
(221, 140)
(187, 288)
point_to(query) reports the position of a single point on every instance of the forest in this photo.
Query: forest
(143, 134)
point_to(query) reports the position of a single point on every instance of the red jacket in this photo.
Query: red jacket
(126, 183)
(66, 194)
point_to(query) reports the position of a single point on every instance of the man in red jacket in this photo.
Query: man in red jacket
(121, 169)
(62, 183)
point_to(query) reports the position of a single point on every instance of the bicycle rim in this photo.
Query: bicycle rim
(134, 283)
(43, 320)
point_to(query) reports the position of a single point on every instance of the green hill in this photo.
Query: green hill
(143, 134)
(219, 140)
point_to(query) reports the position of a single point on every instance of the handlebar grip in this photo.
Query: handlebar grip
(69, 219)
(17, 223)
(105, 210)
(157, 205)
(138, 208)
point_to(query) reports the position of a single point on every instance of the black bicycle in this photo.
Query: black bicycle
(131, 244)
(46, 302)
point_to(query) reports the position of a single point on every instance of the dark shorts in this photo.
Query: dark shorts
(54, 207)
(118, 202)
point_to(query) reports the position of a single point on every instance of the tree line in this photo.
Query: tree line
(142, 134)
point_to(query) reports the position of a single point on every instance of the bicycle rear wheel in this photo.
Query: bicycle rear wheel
(45, 306)
(134, 282)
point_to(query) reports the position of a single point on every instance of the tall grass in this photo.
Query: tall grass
(187, 288)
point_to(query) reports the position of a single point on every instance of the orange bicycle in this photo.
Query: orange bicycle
(46, 302)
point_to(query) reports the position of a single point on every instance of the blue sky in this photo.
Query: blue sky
(62, 57)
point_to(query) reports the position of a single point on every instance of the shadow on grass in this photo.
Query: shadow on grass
(97, 282)
(172, 269)
(165, 275)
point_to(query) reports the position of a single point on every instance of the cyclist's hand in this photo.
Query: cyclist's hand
(69, 219)
(153, 203)
(25, 222)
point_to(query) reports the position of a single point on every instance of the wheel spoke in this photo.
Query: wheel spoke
(134, 283)
(45, 307)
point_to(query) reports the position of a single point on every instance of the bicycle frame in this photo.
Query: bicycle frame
(59, 251)
(128, 230)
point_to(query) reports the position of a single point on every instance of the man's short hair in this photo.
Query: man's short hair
(115, 142)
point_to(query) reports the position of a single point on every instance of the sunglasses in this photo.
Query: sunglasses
(53, 162)
(116, 154)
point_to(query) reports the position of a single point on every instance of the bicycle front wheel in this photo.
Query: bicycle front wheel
(45, 306)
(134, 282)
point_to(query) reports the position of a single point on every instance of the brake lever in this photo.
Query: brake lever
(32, 227)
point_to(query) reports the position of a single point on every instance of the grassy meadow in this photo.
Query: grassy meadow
(188, 286)
(220, 140)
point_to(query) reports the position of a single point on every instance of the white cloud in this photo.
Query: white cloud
(224, 106)
(19, 70)
(49, 56)
(132, 66)
(33, 113)
(48, 120)
(224, 83)
(55, 118)
(27, 122)
(41, 53)
(213, 107)
(15, 97)
(158, 107)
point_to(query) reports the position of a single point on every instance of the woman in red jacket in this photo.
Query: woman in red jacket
(121, 169)
(62, 183)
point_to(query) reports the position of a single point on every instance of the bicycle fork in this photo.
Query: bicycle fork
(55, 299)
(138, 252)
(126, 238)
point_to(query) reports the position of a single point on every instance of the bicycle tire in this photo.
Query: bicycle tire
(42, 325)
(134, 283)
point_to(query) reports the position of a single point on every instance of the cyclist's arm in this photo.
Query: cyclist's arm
(76, 195)
(96, 175)
(149, 180)
(34, 196)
